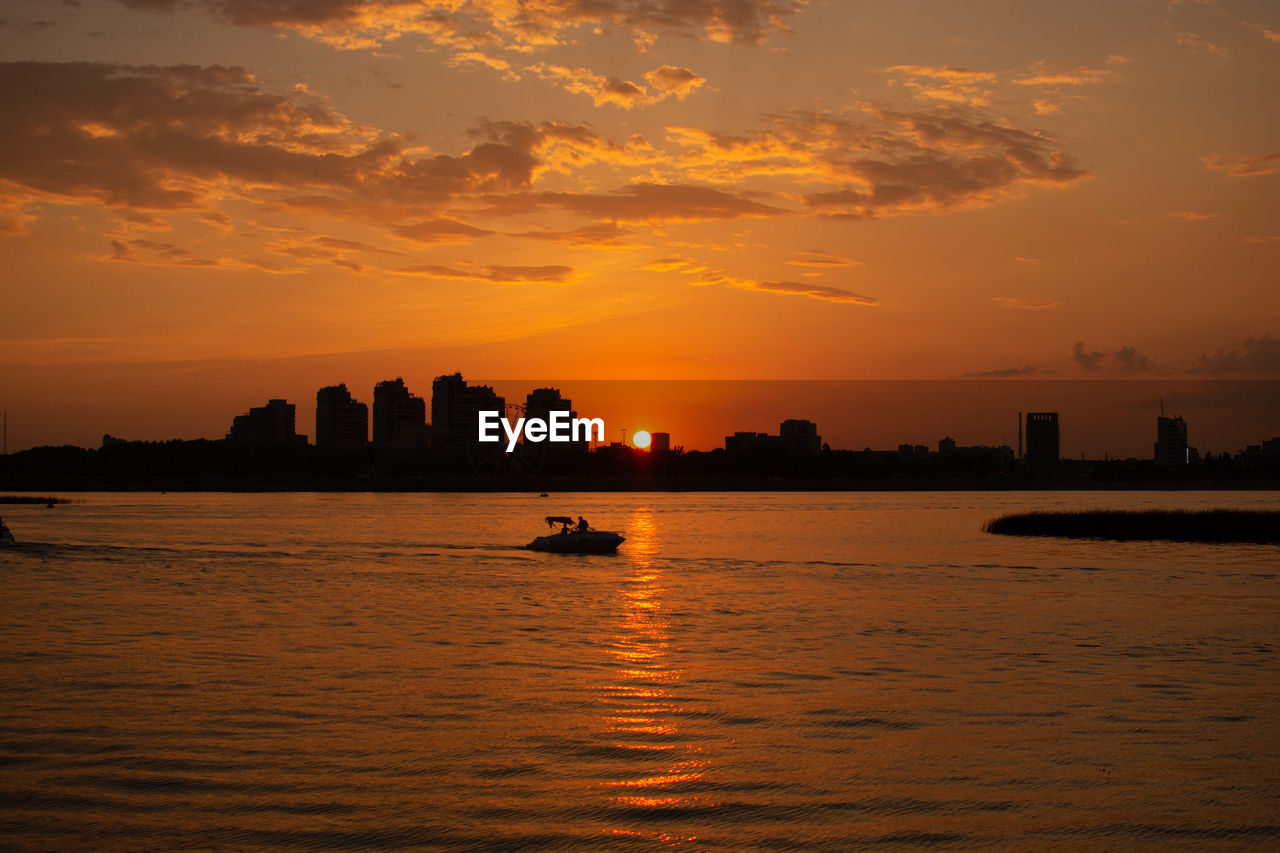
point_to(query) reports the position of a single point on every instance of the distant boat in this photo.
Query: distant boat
(571, 540)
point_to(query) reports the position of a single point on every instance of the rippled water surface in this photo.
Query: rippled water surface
(749, 672)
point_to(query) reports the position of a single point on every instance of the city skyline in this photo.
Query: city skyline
(218, 189)
(454, 403)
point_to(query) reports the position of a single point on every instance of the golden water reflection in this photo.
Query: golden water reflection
(644, 712)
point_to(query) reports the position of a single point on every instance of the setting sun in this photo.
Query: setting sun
(640, 439)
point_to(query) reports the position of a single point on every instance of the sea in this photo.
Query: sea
(750, 672)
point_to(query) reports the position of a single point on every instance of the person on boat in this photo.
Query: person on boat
(583, 527)
(564, 528)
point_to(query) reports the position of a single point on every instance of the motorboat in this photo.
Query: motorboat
(575, 539)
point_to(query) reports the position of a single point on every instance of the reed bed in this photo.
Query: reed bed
(1211, 525)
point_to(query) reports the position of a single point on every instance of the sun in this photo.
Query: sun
(641, 439)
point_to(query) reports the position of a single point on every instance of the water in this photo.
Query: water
(749, 672)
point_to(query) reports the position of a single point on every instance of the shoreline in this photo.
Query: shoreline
(50, 485)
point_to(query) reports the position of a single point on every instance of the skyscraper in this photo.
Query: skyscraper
(399, 417)
(1171, 442)
(800, 437)
(455, 415)
(1043, 450)
(540, 403)
(660, 443)
(340, 420)
(271, 424)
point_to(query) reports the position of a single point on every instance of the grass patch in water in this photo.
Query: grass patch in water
(1208, 525)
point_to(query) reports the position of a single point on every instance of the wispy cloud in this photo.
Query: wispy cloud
(1236, 166)
(529, 24)
(1089, 361)
(818, 258)
(1260, 356)
(1021, 304)
(1195, 44)
(789, 288)
(551, 274)
(666, 81)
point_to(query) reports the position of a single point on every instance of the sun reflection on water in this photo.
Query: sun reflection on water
(644, 711)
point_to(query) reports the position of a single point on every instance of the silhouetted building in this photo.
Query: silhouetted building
(540, 403)
(752, 442)
(660, 442)
(796, 437)
(946, 444)
(340, 420)
(272, 424)
(455, 415)
(800, 437)
(399, 417)
(1043, 448)
(1171, 442)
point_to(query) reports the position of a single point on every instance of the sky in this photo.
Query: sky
(204, 203)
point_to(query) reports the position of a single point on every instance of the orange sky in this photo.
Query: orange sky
(623, 189)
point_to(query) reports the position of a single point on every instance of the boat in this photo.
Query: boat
(6, 537)
(574, 540)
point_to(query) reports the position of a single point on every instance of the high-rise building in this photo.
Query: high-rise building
(455, 415)
(340, 420)
(1043, 447)
(800, 437)
(660, 442)
(272, 424)
(540, 403)
(1171, 442)
(795, 437)
(399, 417)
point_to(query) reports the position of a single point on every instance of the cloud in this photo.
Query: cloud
(364, 24)
(818, 258)
(602, 90)
(1089, 361)
(1021, 304)
(706, 277)
(439, 231)
(1260, 356)
(552, 274)
(602, 235)
(474, 57)
(1005, 373)
(153, 253)
(186, 137)
(953, 85)
(1195, 44)
(643, 202)
(788, 288)
(930, 161)
(1045, 76)
(685, 265)
(667, 81)
(147, 140)
(1131, 361)
(674, 80)
(340, 244)
(1241, 167)
(1193, 215)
